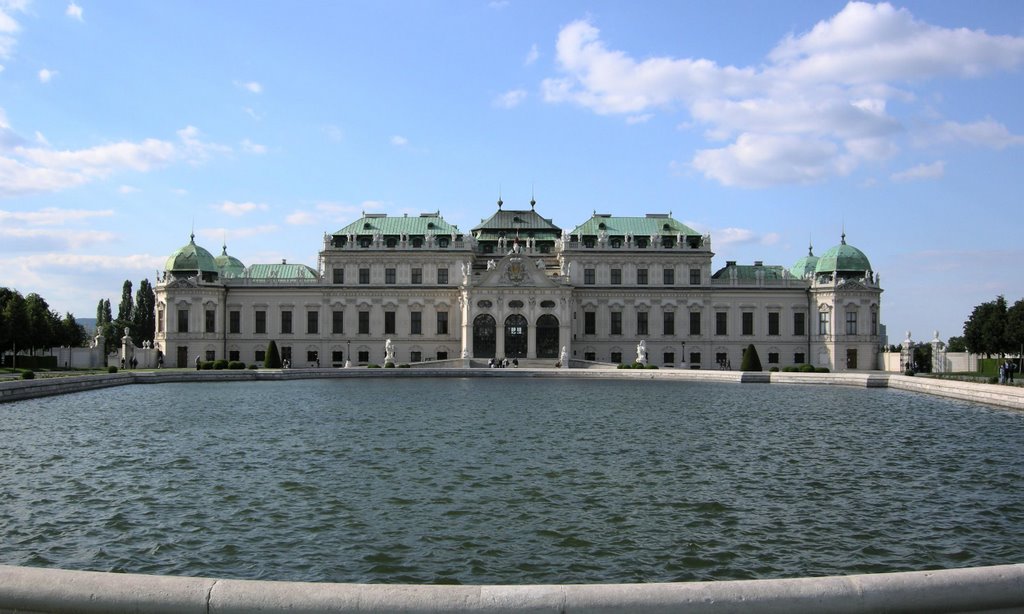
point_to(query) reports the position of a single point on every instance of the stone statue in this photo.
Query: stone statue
(641, 352)
(465, 353)
(389, 351)
(540, 264)
(563, 358)
(491, 264)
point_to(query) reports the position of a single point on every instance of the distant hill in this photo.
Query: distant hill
(89, 324)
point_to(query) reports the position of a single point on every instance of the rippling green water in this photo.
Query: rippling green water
(508, 481)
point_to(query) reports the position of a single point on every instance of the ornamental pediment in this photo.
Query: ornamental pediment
(516, 271)
(185, 282)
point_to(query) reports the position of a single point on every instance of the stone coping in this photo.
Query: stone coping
(1002, 396)
(56, 591)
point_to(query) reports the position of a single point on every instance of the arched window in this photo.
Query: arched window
(547, 336)
(484, 328)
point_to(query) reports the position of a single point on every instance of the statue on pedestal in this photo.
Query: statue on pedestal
(389, 351)
(563, 358)
(641, 352)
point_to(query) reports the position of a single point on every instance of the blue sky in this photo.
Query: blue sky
(123, 125)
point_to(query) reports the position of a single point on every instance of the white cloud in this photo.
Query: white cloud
(935, 170)
(43, 239)
(9, 27)
(532, 55)
(300, 218)
(638, 119)
(498, 4)
(51, 216)
(253, 148)
(220, 234)
(74, 11)
(253, 87)
(127, 189)
(399, 141)
(817, 107)
(46, 75)
(252, 113)
(510, 99)
(41, 139)
(239, 209)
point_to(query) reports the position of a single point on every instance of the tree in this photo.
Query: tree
(956, 344)
(1015, 327)
(40, 323)
(273, 359)
(144, 320)
(125, 311)
(105, 325)
(751, 361)
(985, 330)
(72, 334)
(15, 316)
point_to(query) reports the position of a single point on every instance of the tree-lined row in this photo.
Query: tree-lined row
(28, 325)
(995, 328)
(138, 316)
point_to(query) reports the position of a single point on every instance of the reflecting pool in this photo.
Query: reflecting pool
(499, 480)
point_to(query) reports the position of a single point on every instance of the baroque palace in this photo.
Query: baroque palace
(518, 286)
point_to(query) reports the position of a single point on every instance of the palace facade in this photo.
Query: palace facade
(518, 286)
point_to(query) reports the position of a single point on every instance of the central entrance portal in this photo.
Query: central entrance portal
(515, 336)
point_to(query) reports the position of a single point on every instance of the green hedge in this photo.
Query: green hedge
(236, 365)
(31, 362)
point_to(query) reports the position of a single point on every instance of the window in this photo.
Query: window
(338, 322)
(312, 322)
(364, 276)
(589, 323)
(668, 323)
(286, 322)
(417, 276)
(260, 355)
(389, 322)
(235, 322)
(721, 323)
(442, 277)
(442, 355)
(668, 277)
(159, 320)
(211, 321)
(722, 360)
(668, 358)
(339, 275)
(773, 323)
(799, 324)
(389, 276)
(851, 322)
(773, 358)
(748, 322)
(415, 356)
(616, 277)
(337, 356)
(416, 322)
(364, 356)
(261, 322)
(233, 355)
(874, 323)
(312, 356)
(211, 355)
(364, 324)
(641, 277)
(641, 323)
(798, 358)
(588, 277)
(695, 323)
(616, 328)
(591, 356)
(694, 358)
(442, 322)
(694, 277)
(824, 322)
(617, 357)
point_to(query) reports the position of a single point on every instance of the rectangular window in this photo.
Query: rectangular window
(773, 358)
(641, 277)
(312, 322)
(851, 322)
(694, 277)
(338, 322)
(364, 356)
(617, 357)
(694, 359)
(339, 275)
(261, 322)
(616, 277)
(874, 323)
(364, 276)
(389, 276)
(748, 322)
(668, 277)
(159, 320)
(442, 355)
(417, 276)
(773, 323)
(260, 355)
(641, 323)
(799, 324)
(798, 358)
(589, 323)
(211, 321)
(235, 322)
(824, 322)
(442, 277)
(233, 355)
(211, 355)
(416, 322)
(364, 323)
(722, 360)
(695, 323)
(668, 323)
(415, 356)
(591, 356)
(337, 357)
(389, 322)
(286, 322)
(616, 328)
(313, 357)
(588, 277)
(721, 323)
(442, 322)
(668, 358)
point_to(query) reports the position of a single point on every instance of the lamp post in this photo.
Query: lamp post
(348, 353)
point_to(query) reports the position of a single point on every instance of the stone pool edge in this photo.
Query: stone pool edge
(1001, 396)
(55, 591)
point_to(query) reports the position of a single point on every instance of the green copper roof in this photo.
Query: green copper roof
(427, 223)
(280, 271)
(843, 258)
(229, 266)
(804, 267)
(511, 220)
(191, 258)
(637, 226)
(748, 272)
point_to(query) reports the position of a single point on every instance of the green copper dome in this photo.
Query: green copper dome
(228, 266)
(804, 267)
(191, 259)
(843, 258)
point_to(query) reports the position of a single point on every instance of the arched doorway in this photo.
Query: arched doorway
(547, 336)
(515, 336)
(484, 328)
